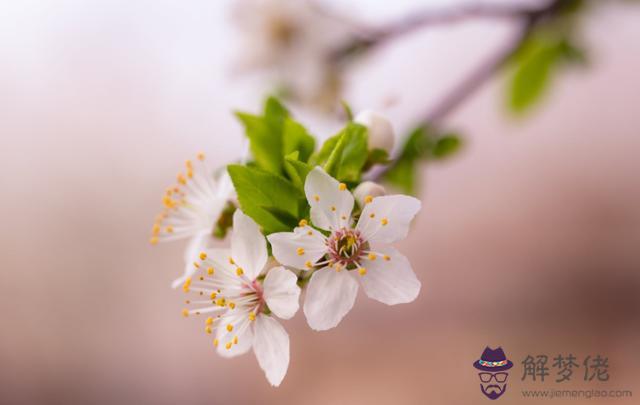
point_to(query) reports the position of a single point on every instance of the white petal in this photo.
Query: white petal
(241, 328)
(389, 281)
(197, 244)
(296, 248)
(281, 292)
(386, 219)
(330, 206)
(248, 246)
(271, 347)
(330, 296)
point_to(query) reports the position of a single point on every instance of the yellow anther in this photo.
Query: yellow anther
(185, 312)
(300, 251)
(203, 256)
(239, 271)
(228, 345)
(196, 265)
(338, 267)
(252, 316)
(190, 173)
(156, 229)
(232, 305)
(342, 186)
(303, 223)
(372, 256)
(153, 240)
(308, 264)
(221, 302)
(209, 321)
(333, 208)
(216, 342)
(384, 221)
(208, 329)
(316, 197)
(169, 229)
(201, 278)
(368, 199)
(229, 327)
(235, 340)
(231, 260)
(385, 257)
(214, 295)
(362, 271)
(210, 271)
(344, 217)
(181, 179)
(310, 233)
(189, 164)
(372, 215)
(186, 285)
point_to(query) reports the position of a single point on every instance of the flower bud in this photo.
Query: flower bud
(381, 134)
(366, 191)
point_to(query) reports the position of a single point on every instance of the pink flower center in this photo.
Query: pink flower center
(346, 247)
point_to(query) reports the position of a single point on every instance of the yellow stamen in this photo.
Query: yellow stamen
(342, 186)
(387, 258)
(229, 327)
(196, 265)
(333, 208)
(232, 305)
(316, 197)
(235, 340)
(362, 271)
(201, 156)
(303, 223)
(372, 256)
(300, 251)
(169, 229)
(228, 345)
(252, 316)
(185, 312)
(203, 256)
(231, 261)
(372, 215)
(156, 229)
(213, 295)
(186, 285)
(239, 271)
(210, 271)
(209, 321)
(221, 302)
(154, 240)
(208, 329)
(368, 199)
(384, 221)
(308, 264)
(216, 342)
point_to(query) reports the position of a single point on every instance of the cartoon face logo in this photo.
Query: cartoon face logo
(492, 367)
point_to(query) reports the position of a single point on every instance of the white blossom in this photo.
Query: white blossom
(191, 209)
(240, 290)
(381, 135)
(351, 255)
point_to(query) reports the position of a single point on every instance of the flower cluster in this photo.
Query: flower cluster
(300, 219)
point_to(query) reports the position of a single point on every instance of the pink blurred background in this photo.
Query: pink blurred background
(528, 239)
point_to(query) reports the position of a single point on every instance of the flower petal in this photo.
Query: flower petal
(330, 296)
(196, 245)
(248, 246)
(386, 219)
(281, 292)
(241, 329)
(296, 248)
(389, 279)
(271, 347)
(331, 204)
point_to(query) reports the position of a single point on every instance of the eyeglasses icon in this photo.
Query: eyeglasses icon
(499, 377)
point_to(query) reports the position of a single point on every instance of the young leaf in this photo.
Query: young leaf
(446, 146)
(296, 170)
(262, 193)
(265, 143)
(296, 138)
(349, 155)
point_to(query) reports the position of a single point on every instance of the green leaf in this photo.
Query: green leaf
(283, 216)
(296, 138)
(265, 143)
(446, 146)
(321, 157)
(349, 155)
(296, 169)
(262, 193)
(348, 112)
(403, 176)
(535, 64)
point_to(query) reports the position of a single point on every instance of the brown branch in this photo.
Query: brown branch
(529, 19)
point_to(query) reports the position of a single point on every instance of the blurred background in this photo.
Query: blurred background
(528, 238)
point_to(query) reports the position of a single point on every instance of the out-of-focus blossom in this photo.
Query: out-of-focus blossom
(293, 41)
(232, 287)
(381, 135)
(366, 191)
(349, 255)
(191, 210)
